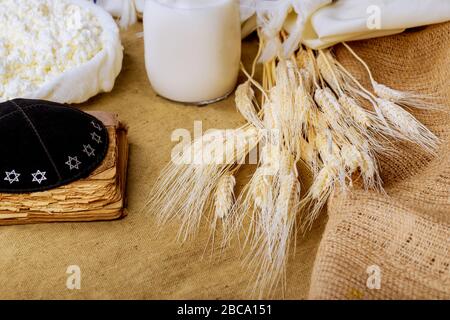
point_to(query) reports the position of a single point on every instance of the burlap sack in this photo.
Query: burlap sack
(407, 233)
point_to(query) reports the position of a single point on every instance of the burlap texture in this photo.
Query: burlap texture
(407, 233)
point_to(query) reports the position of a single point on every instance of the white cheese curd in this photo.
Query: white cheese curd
(45, 46)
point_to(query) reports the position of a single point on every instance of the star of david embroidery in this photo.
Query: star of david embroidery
(73, 163)
(39, 176)
(89, 150)
(96, 125)
(96, 137)
(12, 176)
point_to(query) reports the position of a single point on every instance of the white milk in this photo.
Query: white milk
(192, 48)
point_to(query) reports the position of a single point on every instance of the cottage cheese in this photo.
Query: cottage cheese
(40, 39)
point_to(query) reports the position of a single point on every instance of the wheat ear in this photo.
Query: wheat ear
(409, 128)
(224, 196)
(403, 98)
(406, 99)
(224, 201)
(271, 228)
(317, 196)
(244, 103)
(328, 70)
(186, 186)
(392, 119)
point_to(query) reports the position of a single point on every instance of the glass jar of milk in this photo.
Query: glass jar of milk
(192, 48)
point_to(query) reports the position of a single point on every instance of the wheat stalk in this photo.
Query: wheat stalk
(408, 126)
(402, 98)
(304, 61)
(391, 119)
(325, 63)
(359, 115)
(244, 98)
(272, 222)
(405, 98)
(318, 194)
(184, 190)
(224, 196)
(224, 201)
(329, 104)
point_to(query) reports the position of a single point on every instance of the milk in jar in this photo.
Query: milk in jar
(192, 48)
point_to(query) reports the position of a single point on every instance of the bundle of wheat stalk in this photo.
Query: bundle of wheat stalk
(313, 112)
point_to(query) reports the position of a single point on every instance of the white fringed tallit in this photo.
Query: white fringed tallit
(322, 23)
(125, 10)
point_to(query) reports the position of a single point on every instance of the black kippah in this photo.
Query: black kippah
(45, 145)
